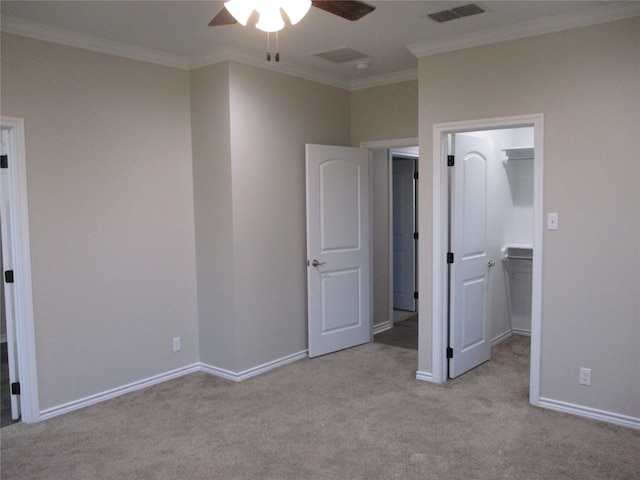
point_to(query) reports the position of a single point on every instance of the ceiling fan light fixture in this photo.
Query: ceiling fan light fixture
(270, 19)
(295, 9)
(240, 9)
(270, 16)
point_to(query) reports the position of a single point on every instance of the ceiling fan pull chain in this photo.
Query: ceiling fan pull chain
(268, 47)
(277, 49)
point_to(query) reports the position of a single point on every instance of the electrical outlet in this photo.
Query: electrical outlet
(176, 344)
(585, 376)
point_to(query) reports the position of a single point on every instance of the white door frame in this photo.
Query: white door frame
(393, 155)
(18, 217)
(389, 145)
(441, 232)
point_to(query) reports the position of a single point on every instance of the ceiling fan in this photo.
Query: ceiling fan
(348, 9)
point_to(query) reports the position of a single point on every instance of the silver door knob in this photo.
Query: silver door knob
(316, 263)
(490, 263)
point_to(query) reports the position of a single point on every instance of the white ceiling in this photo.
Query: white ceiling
(176, 32)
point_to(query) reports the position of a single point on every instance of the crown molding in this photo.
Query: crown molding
(583, 18)
(615, 11)
(46, 33)
(386, 79)
(39, 31)
(232, 54)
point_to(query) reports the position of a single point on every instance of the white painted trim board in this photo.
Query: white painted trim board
(18, 216)
(440, 240)
(163, 377)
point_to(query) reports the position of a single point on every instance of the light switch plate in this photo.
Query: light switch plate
(552, 221)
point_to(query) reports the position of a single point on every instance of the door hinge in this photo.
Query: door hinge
(415, 295)
(415, 175)
(451, 160)
(15, 388)
(449, 257)
(415, 235)
(449, 352)
(4, 161)
(8, 276)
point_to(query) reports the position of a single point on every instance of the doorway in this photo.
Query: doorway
(403, 250)
(404, 228)
(490, 242)
(16, 259)
(378, 175)
(382, 231)
(8, 413)
(443, 223)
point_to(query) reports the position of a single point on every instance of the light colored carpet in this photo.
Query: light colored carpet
(355, 414)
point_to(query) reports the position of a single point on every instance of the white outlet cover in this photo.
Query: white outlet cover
(585, 376)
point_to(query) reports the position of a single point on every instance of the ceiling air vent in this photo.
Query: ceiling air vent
(454, 13)
(341, 55)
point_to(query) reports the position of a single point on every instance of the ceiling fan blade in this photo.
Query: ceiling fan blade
(348, 9)
(223, 18)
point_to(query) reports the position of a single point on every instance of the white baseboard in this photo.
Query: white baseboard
(508, 334)
(196, 367)
(524, 333)
(424, 376)
(592, 413)
(382, 327)
(252, 372)
(116, 392)
(501, 338)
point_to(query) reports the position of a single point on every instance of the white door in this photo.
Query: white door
(404, 227)
(338, 251)
(7, 265)
(469, 328)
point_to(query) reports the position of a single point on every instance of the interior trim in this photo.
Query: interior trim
(440, 237)
(116, 392)
(163, 377)
(566, 21)
(382, 327)
(382, 80)
(592, 413)
(17, 26)
(252, 372)
(17, 217)
(247, 58)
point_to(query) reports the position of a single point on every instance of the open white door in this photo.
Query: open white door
(469, 328)
(7, 280)
(404, 229)
(338, 251)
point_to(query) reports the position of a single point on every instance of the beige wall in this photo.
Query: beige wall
(108, 144)
(272, 117)
(210, 126)
(586, 82)
(259, 313)
(112, 189)
(380, 231)
(385, 112)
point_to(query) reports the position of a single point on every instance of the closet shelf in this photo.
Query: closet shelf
(520, 153)
(517, 252)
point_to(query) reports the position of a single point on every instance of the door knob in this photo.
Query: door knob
(316, 263)
(490, 263)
